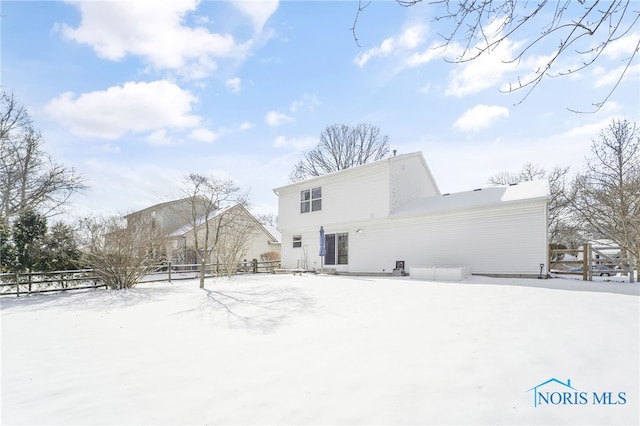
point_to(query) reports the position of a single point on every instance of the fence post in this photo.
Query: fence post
(632, 265)
(585, 263)
(169, 271)
(17, 284)
(254, 265)
(590, 263)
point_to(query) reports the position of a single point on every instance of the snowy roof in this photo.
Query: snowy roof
(538, 189)
(277, 235)
(158, 206)
(199, 221)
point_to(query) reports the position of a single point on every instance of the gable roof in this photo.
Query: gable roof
(273, 232)
(344, 173)
(185, 229)
(157, 206)
(524, 191)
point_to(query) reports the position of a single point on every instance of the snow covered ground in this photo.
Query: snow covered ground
(324, 350)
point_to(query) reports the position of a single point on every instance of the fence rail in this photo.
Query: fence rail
(590, 260)
(23, 283)
(45, 282)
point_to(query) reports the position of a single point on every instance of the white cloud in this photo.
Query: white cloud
(130, 108)
(434, 51)
(408, 40)
(155, 31)
(623, 47)
(275, 118)
(259, 11)
(480, 117)
(477, 73)
(246, 125)
(587, 132)
(234, 84)
(307, 102)
(297, 143)
(487, 70)
(411, 37)
(109, 148)
(610, 77)
(426, 88)
(158, 138)
(203, 135)
(146, 184)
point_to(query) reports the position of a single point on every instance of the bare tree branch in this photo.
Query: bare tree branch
(120, 252)
(214, 215)
(559, 226)
(355, 20)
(578, 29)
(341, 147)
(29, 178)
(607, 193)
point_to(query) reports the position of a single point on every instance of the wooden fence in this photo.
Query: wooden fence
(591, 260)
(45, 282)
(23, 283)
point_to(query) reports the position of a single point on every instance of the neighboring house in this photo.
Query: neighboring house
(390, 213)
(241, 235)
(236, 233)
(165, 217)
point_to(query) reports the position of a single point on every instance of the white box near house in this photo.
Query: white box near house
(440, 273)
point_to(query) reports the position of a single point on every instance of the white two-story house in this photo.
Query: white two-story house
(390, 213)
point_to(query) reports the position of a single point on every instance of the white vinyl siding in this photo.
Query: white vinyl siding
(491, 241)
(358, 195)
(410, 179)
(500, 240)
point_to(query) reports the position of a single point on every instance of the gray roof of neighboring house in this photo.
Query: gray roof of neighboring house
(273, 231)
(277, 236)
(199, 221)
(159, 205)
(523, 191)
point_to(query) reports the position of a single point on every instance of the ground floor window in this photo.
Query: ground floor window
(337, 246)
(297, 241)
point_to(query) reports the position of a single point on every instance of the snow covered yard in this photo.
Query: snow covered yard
(323, 350)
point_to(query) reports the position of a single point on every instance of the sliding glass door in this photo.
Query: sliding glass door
(337, 246)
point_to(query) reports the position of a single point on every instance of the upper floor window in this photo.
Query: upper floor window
(311, 200)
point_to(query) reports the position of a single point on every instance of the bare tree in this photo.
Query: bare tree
(29, 178)
(528, 173)
(563, 28)
(238, 229)
(607, 193)
(120, 252)
(211, 214)
(267, 219)
(559, 227)
(340, 147)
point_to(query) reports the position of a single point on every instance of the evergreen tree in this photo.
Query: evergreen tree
(7, 256)
(60, 250)
(29, 231)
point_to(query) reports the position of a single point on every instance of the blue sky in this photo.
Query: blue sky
(136, 94)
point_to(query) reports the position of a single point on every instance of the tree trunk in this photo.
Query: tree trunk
(202, 266)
